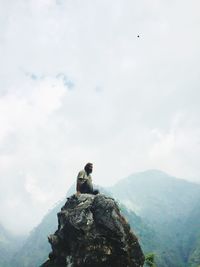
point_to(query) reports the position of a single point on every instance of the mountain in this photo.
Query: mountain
(191, 239)
(36, 248)
(8, 246)
(5, 242)
(92, 232)
(169, 206)
(151, 192)
(162, 210)
(147, 237)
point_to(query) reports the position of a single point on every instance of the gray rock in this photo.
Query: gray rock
(93, 233)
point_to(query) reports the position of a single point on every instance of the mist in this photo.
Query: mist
(78, 85)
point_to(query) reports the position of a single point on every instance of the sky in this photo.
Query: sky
(115, 83)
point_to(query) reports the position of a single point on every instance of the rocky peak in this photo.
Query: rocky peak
(93, 233)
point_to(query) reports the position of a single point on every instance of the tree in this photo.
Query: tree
(150, 260)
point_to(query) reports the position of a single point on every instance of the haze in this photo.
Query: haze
(77, 84)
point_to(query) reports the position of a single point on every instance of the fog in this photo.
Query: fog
(115, 83)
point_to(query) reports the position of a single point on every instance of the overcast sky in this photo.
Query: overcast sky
(77, 84)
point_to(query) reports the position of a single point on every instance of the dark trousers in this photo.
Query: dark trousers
(87, 188)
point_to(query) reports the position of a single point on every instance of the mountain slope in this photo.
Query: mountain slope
(191, 239)
(167, 221)
(93, 232)
(167, 204)
(152, 192)
(36, 248)
(4, 246)
(8, 246)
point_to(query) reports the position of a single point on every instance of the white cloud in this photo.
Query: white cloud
(177, 150)
(35, 191)
(121, 112)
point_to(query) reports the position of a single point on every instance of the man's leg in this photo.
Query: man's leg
(95, 192)
(86, 188)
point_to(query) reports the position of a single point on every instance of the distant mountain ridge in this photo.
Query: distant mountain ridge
(168, 204)
(149, 192)
(8, 246)
(191, 240)
(36, 248)
(93, 232)
(164, 212)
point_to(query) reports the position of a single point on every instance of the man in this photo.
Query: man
(84, 181)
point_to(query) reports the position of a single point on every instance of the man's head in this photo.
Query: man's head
(88, 168)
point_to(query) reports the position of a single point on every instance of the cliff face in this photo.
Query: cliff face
(93, 233)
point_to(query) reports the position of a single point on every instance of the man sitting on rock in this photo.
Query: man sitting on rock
(84, 181)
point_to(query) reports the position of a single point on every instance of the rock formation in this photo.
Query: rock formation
(93, 233)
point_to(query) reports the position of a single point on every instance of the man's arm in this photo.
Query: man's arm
(78, 185)
(79, 182)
